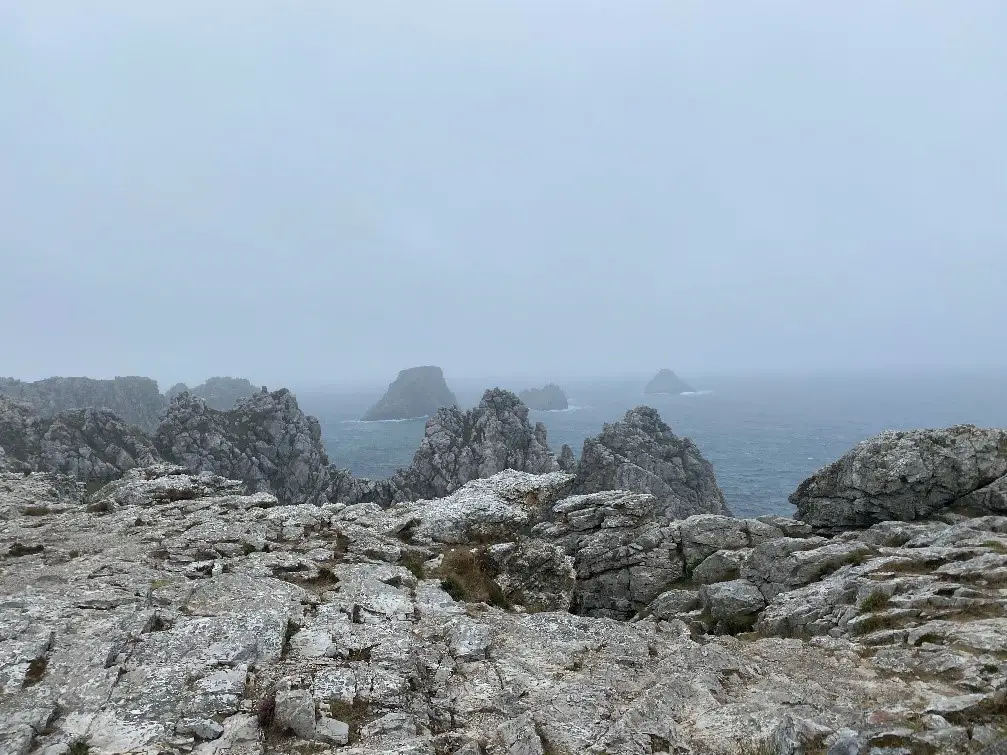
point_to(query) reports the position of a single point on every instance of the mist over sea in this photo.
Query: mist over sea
(762, 434)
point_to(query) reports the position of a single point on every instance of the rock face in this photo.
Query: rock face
(460, 446)
(416, 392)
(221, 393)
(667, 381)
(172, 613)
(548, 399)
(266, 442)
(906, 476)
(136, 400)
(642, 454)
(92, 445)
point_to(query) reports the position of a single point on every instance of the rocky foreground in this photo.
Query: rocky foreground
(171, 612)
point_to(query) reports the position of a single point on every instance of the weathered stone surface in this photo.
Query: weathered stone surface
(171, 612)
(640, 453)
(903, 476)
(566, 460)
(416, 392)
(267, 442)
(666, 381)
(135, 400)
(550, 398)
(89, 444)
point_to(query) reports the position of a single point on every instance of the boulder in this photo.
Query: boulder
(642, 454)
(416, 392)
(221, 393)
(904, 476)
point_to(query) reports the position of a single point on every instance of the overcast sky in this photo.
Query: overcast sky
(326, 191)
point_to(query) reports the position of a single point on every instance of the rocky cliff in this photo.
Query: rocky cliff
(666, 381)
(416, 392)
(221, 393)
(547, 399)
(135, 400)
(266, 442)
(642, 454)
(170, 612)
(92, 445)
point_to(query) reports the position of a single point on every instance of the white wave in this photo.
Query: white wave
(571, 407)
(379, 421)
(695, 393)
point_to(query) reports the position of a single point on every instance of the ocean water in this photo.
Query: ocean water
(763, 435)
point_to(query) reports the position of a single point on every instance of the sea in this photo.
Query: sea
(763, 434)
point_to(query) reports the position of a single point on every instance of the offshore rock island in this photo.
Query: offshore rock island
(416, 392)
(218, 586)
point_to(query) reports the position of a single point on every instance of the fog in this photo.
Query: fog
(330, 191)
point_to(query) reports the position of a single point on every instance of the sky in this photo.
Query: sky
(332, 191)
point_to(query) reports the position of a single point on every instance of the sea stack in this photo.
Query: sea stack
(667, 381)
(548, 399)
(416, 392)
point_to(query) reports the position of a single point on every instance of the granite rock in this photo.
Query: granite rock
(550, 398)
(666, 381)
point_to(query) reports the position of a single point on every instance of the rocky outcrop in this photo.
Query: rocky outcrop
(267, 442)
(906, 476)
(642, 454)
(416, 392)
(551, 398)
(92, 445)
(221, 393)
(666, 381)
(170, 612)
(460, 446)
(136, 400)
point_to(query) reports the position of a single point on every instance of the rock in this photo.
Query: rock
(903, 476)
(539, 576)
(786, 563)
(135, 400)
(416, 392)
(673, 603)
(566, 461)
(625, 553)
(169, 601)
(331, 731)
(295, 710)
(267, 442)
(721, 566)
(666, 381)
(733, 606)
(92, 445)
(461, 446)
(550, 398)
(220, 393)
(641, 454)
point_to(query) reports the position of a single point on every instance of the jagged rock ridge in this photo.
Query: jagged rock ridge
(266, 441)
(642, 454)
(136, 400)
(666, 381)
(416, 392)
(547, 399)
(93, 445)
(220, 393)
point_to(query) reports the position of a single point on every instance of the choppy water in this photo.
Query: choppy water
(762, 435)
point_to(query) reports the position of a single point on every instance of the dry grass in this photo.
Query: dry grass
(465, 577)
(876, 601)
